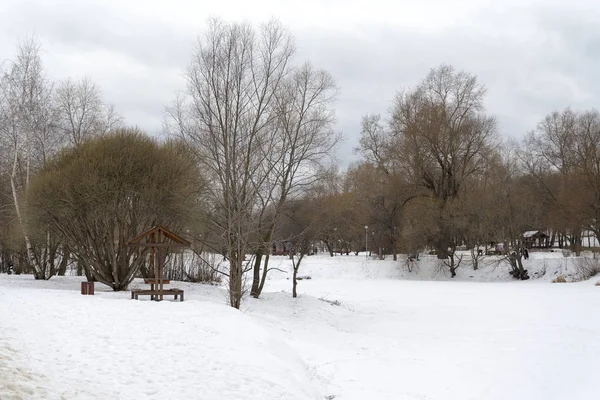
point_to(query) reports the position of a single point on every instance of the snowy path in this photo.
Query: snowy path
(110, 347)
(17, 381)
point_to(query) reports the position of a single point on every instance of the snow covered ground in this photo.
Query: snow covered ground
(361, 329)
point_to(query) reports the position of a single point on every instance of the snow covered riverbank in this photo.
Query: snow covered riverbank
(359, 330)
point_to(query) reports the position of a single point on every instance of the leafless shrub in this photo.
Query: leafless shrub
(440, 267)
(106, 191)
(410, 263)
(541, 272)
(188, 267)
(586, 267)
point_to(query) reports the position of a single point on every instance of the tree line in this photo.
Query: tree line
(248, 163)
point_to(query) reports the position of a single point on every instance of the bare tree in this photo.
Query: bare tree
(516, 209)
(232, 84)
(384, 195)
(82, 112)
(27, 124)
(564, 159)
(377, 145)
(300, 227)
(438, 137)
(442, 133)
(304, 120)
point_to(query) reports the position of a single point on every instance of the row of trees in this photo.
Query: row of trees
(38, 117)
(436, 174)
(248, 162)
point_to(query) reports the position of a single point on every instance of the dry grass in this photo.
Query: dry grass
(559, 279)
(332, 302)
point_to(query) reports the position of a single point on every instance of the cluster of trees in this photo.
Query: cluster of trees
(437, 175)
(39, 117)
(248, 163)
(75, 185)
(252, 130)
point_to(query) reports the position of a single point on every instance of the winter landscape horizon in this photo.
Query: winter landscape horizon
(276, 200)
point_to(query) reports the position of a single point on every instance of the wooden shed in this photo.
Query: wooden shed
(535, 239)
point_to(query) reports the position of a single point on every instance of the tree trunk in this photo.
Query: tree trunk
(295, 283)
(255, 290)
(296, 266)
(560, 240)
(264, 274)
(38, 273)
(3, 261)
(62, 268)
(452, 266)
(576, 242)
(394, 245)
(518, 271)
(441, 249)
(235, 279)
(475, 258)
(329, 248)
(258, 282)
(88, 274)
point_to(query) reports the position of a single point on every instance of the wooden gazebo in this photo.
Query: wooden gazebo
(159, 239)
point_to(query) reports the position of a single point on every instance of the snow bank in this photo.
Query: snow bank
(541, 265)
(108, 347)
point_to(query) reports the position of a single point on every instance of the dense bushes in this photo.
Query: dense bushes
(108, 190)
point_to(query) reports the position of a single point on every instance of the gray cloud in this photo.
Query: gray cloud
(533, 58)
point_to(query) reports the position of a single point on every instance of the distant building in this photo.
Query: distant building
(535, 239)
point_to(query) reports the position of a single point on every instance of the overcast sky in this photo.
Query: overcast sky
(533, 56)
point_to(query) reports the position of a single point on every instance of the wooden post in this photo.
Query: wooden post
(160, 271)
(87, 288)
(160, 265)
(154, 263)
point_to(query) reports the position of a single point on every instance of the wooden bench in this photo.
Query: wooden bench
(152, 282)
(154, 294)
